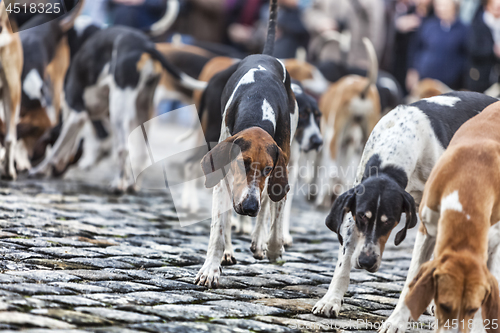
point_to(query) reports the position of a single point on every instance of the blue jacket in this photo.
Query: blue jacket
(440, 53)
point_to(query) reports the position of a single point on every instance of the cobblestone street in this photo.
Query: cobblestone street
(75, 259)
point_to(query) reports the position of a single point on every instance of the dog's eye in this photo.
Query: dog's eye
(303, 115)
(267, 170)
(446, 308)
(471, 311)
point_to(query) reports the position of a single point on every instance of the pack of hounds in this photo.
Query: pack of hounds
(67, 85)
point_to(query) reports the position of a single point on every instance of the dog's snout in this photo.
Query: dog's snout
(368, 261)
(315, 142)
(250, 206)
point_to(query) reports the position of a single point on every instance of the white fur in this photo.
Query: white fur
(268, 113)
(443, 100)
(82, 22)
(451, 202)
(310, 130)
(33, 84)
(284, 70)
(318, 84)
(297, 90)
(400, 148)
(248, 78)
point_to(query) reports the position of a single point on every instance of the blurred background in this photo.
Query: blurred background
(454, 41)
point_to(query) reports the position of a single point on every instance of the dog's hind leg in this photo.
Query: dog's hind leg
(329, 305)
(293, 175)
(123, 115)
(259, 234)
(424, 245)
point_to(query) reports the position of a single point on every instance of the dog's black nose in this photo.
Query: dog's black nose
(315, 142)
(367, 262)
(250, 206)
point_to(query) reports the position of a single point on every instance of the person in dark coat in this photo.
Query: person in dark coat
(483, 50)
(140, 14)
(439, 50)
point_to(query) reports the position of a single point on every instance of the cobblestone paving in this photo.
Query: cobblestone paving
(75, 259)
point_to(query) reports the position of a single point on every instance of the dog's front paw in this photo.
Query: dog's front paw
(258, 249)
(228, 259)
(209, 275)
(327, 307)
(396, 323)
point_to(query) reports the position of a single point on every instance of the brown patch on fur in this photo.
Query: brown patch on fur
(427, 88)
(470, 166)
(335, 105)
(299, 70)
(258, 155)
(168, 48)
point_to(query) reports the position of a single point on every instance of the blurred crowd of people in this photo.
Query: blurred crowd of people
(454, 41)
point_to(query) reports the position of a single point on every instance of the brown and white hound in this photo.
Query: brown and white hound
(351, 109)
(11, 66)
(460, 203)
(259, 118)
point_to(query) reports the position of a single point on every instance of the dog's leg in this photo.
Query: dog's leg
(123, 115)
(228, 257)
(293, 175)
(424, 245)
(209, 274)
(12, 105)
(275, 243)
(65, 146)
(189, 193)
(329, 305)
(259, 234)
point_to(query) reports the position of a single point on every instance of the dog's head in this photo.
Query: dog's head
(255, 160)
(460, 285)
(376, 206)
(308, 134)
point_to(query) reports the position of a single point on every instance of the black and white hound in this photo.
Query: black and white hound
(116, 70)
(259, 118)
(397, 160)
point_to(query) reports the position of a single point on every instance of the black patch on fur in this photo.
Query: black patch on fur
(446, 120)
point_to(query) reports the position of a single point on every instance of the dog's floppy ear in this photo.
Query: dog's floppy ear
(345, 203)
(490, 305)
(421, 290)
(216, 159)
(411, 217)
(278, 185)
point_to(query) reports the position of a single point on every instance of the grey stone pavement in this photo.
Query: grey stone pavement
(77, 259)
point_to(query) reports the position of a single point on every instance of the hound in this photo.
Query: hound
(11, 66)
(259, 118)
(117, 69)
(397, 160)
(459, 204)
(351, 109)
(46, 61)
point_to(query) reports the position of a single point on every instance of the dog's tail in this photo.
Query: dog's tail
(185, 80)
(160, 27)
(271, 29)
(67, 22)
(373, 70)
